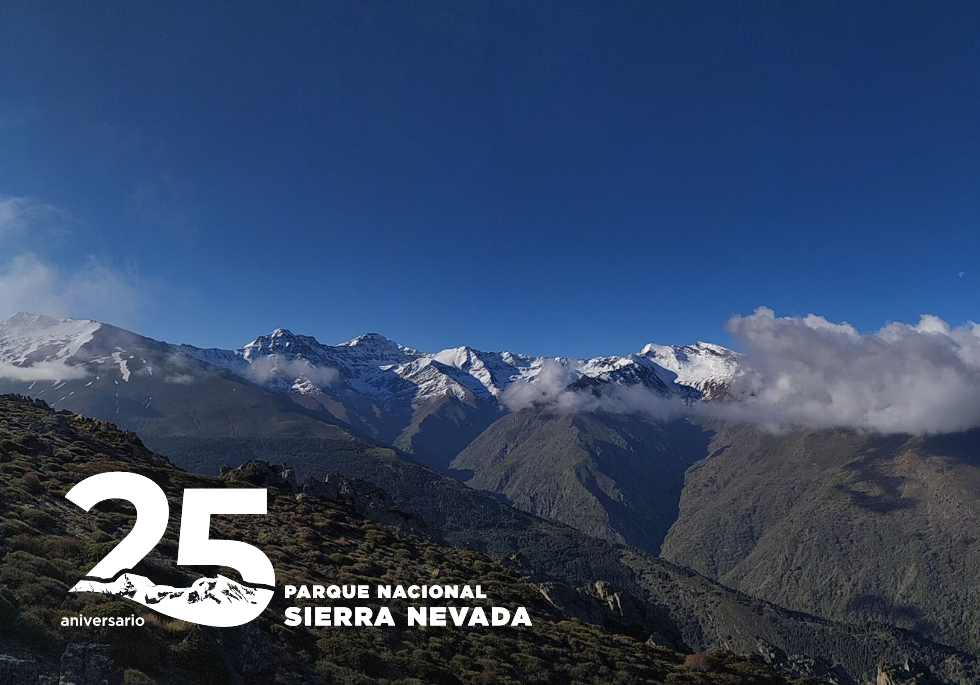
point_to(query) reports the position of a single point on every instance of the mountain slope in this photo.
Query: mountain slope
(847, 525)
(434, 405)
(613, 476)
(680, 603)
(143, 384)
(47, 543)
(204, 413)
(372, 390)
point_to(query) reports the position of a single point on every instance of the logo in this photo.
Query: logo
(218, 601)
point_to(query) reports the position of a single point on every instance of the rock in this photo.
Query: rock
(367, 500)
(89, 664)
(61, 426)
(803, 666)
(600, 604)
(256, 654)
(15, 671)
(604, 593)
(909, 673)
(657, 639)
(262, 474)
(324, 489)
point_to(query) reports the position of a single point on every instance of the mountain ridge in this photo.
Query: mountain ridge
(684, 365)
(640, 591)
(377, 388)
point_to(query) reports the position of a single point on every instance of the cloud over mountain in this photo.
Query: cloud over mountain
(277, 366)
(922, 378)
(31, 281)
(92, 290)
(807, 371)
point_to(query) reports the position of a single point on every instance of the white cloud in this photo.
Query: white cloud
(93, 290)
(903, 378)
(30, 282)
(274, 366)
(41, 371)
(814, 373)
(17, 214)
(551, 390)
(546, 388)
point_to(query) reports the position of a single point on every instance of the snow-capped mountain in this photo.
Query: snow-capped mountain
(30, 340)
(386, 371)
(420, 402)
(705, 367)
(370, 364)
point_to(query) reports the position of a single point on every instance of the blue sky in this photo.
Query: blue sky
(555, 178)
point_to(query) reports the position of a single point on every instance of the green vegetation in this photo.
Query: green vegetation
(46, 544)
(851, 526)
(669, 600)
(615, 477)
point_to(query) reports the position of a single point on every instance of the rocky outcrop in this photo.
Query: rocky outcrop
(804, 666)
(367, 500)
(89, 664)
(363, 497)
(909, 673)
(15, 671)
(261, 474)
(602, 604)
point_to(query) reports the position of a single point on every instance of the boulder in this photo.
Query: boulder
(909, 673)
(89, 664)
(15, 671)
(803, 666)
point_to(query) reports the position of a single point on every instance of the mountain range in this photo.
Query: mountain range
(601, 612)
(46, 544)
(445, 410)
(522, 457)
(374, 386)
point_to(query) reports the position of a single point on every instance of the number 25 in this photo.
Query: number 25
(195, 548)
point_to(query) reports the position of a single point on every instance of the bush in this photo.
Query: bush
(32, 484)
(134, 677)
(707, 663)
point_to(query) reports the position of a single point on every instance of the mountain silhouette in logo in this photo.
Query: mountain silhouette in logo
(216, 601)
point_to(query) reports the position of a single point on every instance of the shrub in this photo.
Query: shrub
(32, 483)
(707, 663)
(134, 677)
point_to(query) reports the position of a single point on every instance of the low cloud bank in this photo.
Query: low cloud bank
(903, 378)
(272, 367)
(813, 373)
(552, 390)
(92, 290)
(41, 371)
(29, 282)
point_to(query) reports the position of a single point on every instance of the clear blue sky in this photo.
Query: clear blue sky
(556, 178)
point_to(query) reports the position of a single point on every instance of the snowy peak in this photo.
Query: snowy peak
(284, 342)
(376, 346)
(374, 368)
(706, 367)
(26, 339)
(491, 371)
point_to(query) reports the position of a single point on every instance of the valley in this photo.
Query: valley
(849, 547)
